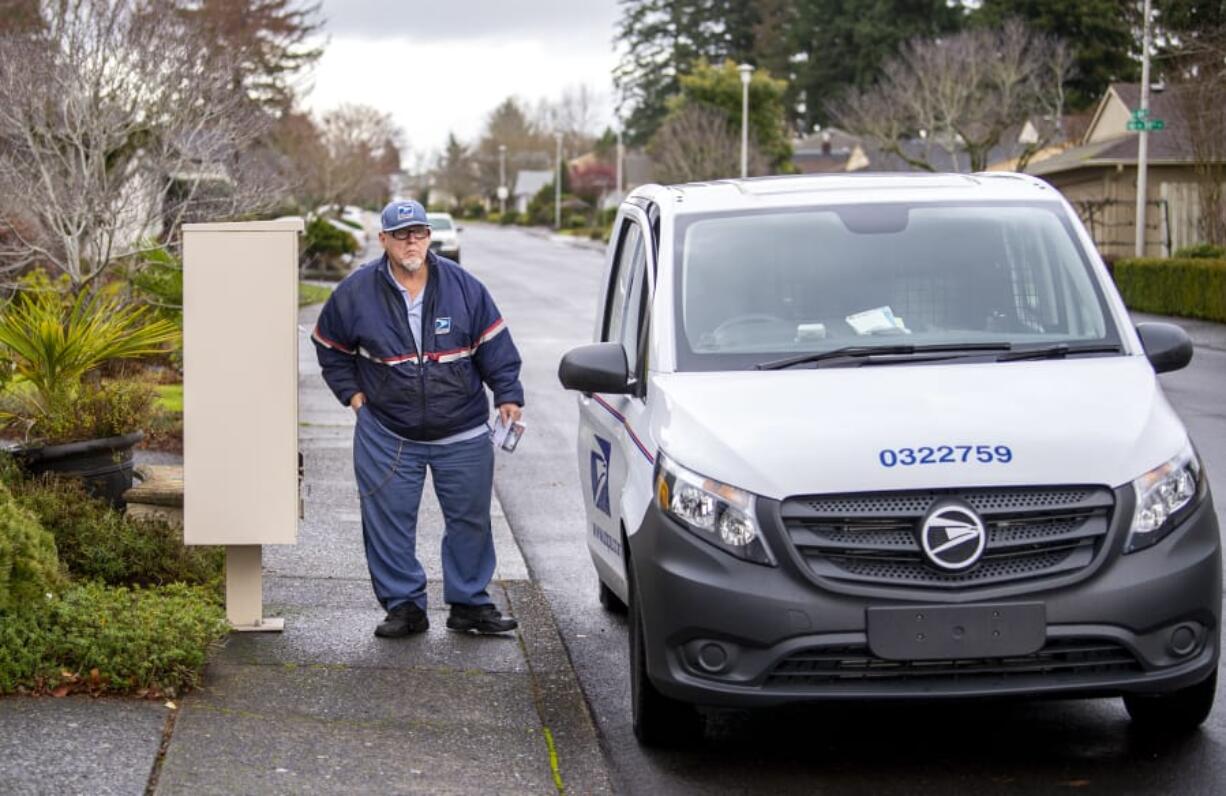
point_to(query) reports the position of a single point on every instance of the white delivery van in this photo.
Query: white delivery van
(888, 436)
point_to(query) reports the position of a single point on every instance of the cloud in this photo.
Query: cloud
(432, 88)
(565, 24)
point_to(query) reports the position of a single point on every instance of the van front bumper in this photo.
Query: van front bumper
(725, 632)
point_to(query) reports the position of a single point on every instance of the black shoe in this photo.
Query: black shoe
(403, 620)
(479, 619)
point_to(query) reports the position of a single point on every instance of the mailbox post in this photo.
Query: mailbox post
(240, 399)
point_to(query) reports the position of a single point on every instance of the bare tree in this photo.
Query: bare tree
(354, 160)
(111, 133)
(696, 143)
(964, 94)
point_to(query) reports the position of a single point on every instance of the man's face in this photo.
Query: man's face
(407, 246)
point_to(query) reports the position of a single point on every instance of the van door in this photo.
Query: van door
(609, 425)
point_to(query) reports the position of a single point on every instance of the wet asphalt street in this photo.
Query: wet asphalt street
(547, 292)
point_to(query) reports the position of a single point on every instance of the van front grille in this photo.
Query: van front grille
(850, 664)
(873, 538)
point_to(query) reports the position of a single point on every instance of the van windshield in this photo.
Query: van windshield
(777, 283)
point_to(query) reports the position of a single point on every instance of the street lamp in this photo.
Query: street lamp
(557, 187)
(502, 179)
(746, 71)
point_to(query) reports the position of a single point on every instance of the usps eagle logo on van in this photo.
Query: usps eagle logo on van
(600, 475)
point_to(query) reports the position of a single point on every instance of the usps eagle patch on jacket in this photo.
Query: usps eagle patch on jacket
(364, 344)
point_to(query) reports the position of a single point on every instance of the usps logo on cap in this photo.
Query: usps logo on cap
(404, 212)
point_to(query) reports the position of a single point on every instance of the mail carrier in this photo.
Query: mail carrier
(874, 437)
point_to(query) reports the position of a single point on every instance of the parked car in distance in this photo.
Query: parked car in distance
(445, 235)
(888, 437)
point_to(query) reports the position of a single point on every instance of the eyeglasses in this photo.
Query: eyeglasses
(405, 233)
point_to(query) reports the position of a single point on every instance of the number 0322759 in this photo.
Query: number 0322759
(945, 454)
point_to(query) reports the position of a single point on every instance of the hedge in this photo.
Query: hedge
(1188, 287)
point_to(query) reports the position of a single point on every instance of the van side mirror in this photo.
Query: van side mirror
(1167, 346)
(599, 367)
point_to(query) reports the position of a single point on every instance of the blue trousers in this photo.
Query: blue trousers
(391, 472)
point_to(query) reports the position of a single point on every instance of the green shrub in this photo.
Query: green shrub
(1190, 287)
(349, 223)
(29, 566)
(576, 221)
(58, 344)
(111, 409)
(1203, 251)
(97, 542)
(508, 218)
(324, 244)
(158, 276)
(100, 638)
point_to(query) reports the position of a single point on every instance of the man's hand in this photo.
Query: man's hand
(355, 403)
(509, 413)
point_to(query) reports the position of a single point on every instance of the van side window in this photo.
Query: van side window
(621, 281)
(632, 326)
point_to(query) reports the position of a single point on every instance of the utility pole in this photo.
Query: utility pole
(557, 187)
(1143, 140)
(746, 71)
(502, 179)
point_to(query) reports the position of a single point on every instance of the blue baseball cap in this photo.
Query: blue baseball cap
(404, 213)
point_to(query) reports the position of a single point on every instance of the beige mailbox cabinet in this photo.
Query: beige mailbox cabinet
(240, 399)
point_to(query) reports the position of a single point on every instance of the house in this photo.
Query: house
(1099, 175)
(827, 150)
(527, 184)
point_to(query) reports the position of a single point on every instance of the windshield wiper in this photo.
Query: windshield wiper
(1058, 351)
(855, 351)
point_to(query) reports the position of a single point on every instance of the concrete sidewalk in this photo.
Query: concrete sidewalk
(325, 706)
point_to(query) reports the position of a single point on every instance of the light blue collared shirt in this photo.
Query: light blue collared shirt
(414, 306)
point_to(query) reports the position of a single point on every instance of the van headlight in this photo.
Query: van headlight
(717, 513)
(1165, 495)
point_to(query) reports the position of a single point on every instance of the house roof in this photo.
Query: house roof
(1113, 146)
(529, 182)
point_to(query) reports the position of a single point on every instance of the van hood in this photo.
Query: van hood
(1100, 420)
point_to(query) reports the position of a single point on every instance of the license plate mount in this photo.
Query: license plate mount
(953, 632)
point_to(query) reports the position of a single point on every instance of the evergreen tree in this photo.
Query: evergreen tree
(841, 44)
(664, 39)
(1099, 32)
(265, 43)
(455, 170)
(719, 87)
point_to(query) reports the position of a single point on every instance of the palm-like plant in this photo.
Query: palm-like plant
(54, 343)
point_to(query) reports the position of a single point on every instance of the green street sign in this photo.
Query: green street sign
(1137, 125)
(1139, 114)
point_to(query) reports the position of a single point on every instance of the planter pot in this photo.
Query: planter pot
(105, 465)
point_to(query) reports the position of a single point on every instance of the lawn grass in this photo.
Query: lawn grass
(170, 397)
(312, 294)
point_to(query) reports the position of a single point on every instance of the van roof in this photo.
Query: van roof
(806, 189)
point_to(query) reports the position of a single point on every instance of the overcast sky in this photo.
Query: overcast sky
(443, 66)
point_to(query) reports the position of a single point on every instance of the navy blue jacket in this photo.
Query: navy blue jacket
(364, 344)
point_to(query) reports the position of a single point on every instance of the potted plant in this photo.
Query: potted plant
(71, 419)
